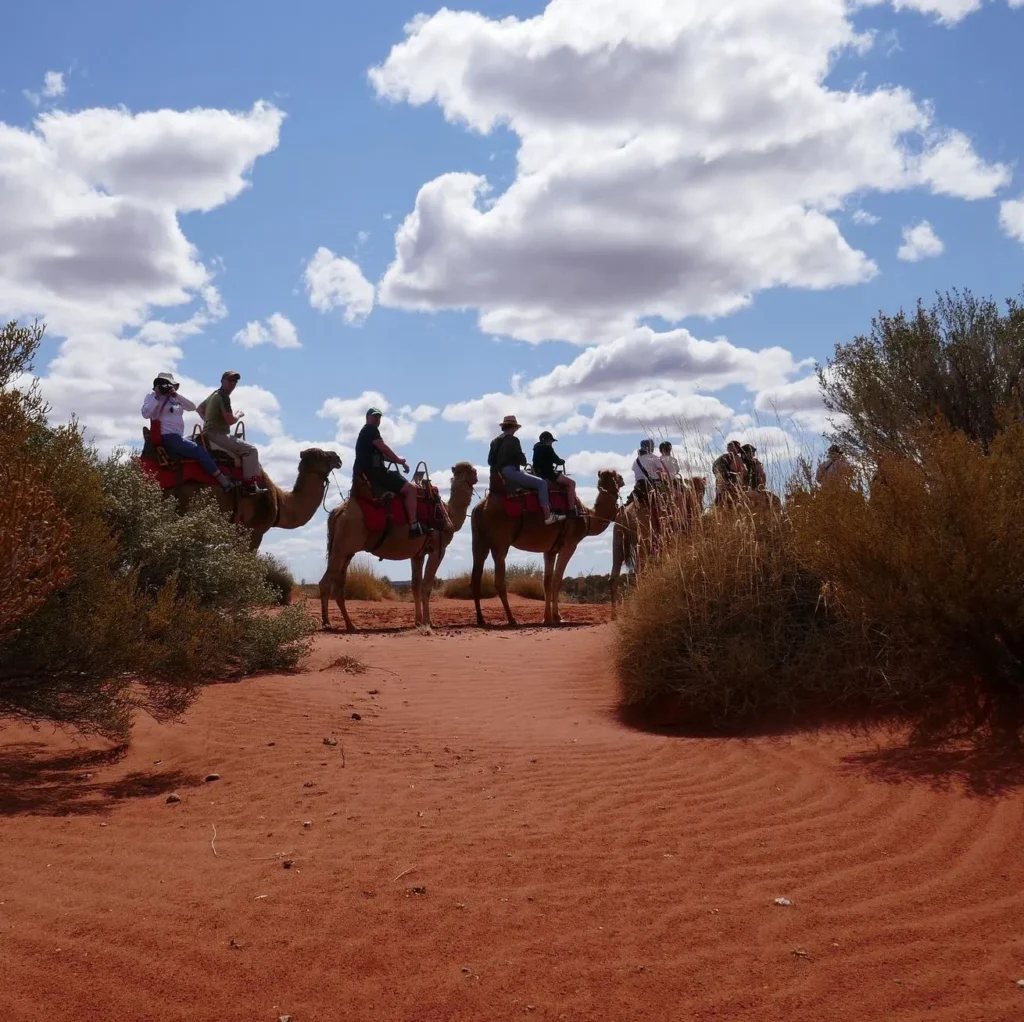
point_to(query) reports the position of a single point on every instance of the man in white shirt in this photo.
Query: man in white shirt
(669, 461)
(167, 407)
(648, 471)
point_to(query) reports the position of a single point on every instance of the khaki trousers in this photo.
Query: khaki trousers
(248, 454)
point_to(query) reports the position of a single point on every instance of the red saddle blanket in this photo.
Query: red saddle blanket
(526, 502)
(191, 472)
(376, 514)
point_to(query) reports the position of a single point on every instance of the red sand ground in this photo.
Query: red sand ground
(489, 842)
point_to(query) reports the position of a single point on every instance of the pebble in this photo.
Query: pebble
(172, 798)
(308, 824)
(212, 777)
(285, 1018)
(355, 716)
(330, 741)
(1020, 983)
(784, 902)
(288, 863)
(308, 784)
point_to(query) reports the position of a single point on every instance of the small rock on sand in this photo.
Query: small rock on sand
(212, 777)
(784, 902)
(308, 824)
(288, 863)
(356, 716)
(308, 784)
(173, 797)
(330, 741)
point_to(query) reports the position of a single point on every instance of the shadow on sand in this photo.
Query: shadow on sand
(61, 785)
(983, 768)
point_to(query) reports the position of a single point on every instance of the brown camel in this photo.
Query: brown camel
(494, 532)
(275, 508)
(634, 539)
(347, 535)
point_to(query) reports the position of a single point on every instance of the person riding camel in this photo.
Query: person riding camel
(218, 418)
(550, 467)
(507, 459)
(729, 471)
(648, 471)
(755, 476)
(164, 405)
(835, 468)
(669, 463)
(371, 453)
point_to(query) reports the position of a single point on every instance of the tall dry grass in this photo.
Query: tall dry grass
(363, 582)
(525, 580)
(907, 602)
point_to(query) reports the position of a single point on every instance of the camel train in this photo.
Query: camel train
(531, 505)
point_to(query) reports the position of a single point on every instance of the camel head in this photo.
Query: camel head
(464, 472)
(610, 481)
(323, 462)
(699, 485)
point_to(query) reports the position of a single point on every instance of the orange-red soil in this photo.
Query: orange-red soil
(489, 842)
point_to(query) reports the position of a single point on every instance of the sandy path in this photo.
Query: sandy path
(572, 868)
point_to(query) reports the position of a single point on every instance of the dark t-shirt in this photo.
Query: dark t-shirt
(546, 463)
(505, 450)
(368, 458)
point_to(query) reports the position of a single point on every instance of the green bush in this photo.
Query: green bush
(150, 604)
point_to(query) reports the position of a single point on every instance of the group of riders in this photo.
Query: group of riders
(737, 469)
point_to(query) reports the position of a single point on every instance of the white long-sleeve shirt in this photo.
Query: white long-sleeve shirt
(650, 463)
(671, 465)
(169, 410)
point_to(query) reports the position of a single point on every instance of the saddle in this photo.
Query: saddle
(382, 511)
(519, 501)
(170, 470)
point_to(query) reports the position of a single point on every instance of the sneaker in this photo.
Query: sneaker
(252, 488)
(553, 518)
(418, 529)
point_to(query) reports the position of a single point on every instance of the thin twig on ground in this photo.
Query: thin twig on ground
(213, 840)
(405, 872)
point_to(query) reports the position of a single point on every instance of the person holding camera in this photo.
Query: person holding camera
(167, 407)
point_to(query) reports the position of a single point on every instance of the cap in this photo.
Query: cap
(373, 411)
(230, 374)
(547, 438)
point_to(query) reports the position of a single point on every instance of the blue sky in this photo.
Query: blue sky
(656, 184)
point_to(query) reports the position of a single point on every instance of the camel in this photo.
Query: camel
(276, 508)
(494, 532)
(348, 535)
(634, 539)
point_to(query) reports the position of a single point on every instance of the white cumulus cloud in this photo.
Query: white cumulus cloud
(920, 242)
(278, 330)
(398, 426)
(336, 282)
(673, 160)
(1011, 218)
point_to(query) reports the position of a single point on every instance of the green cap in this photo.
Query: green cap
(373, 411)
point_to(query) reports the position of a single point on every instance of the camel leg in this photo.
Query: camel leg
(481, 548)
(429, 574)
(339, 590)
(499, 582)
(549, 574)
(617, 556)
(417, 588)
(561, 563)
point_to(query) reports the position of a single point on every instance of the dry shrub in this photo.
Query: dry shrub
(729, 626)
(363, 583)
(459, 587)
(33, 544)
(525, 580)
(279, 578)
(933, 563)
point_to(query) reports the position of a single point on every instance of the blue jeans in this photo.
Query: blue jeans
(183, 448)
(512, 475)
